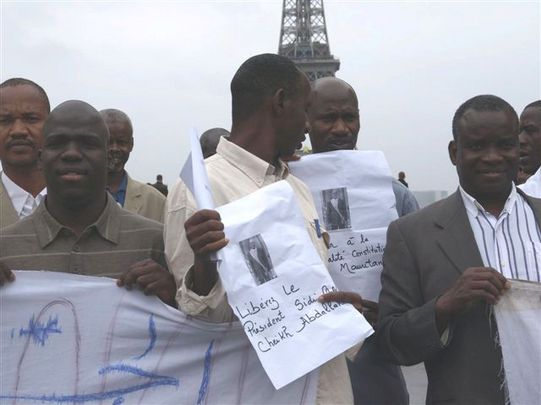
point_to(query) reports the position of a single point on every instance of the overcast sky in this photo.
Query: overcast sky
(168, 65)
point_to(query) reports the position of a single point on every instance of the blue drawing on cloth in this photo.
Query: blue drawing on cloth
(152, 335)
(38, 331)
(155, 380)
(206, 375)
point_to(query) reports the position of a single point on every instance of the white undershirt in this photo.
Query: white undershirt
(23, 202)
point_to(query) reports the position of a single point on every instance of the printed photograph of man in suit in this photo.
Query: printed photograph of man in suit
(257, 259)
(335, 209)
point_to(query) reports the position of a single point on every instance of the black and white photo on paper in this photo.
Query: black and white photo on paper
(335, 207)
(257, 258)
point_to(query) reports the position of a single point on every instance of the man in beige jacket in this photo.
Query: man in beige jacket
(132, 195)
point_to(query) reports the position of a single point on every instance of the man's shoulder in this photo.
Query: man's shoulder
(145, 189)
(131, 221)
(23, 226)
(440, 210)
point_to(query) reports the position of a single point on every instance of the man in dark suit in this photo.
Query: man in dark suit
(443, 271)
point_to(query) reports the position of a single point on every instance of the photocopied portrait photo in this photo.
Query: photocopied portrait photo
(335, 207)
(257, 258)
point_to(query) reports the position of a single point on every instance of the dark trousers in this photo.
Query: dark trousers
(374, 380)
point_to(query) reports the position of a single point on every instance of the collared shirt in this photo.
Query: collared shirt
(120, 195)
(108, 247)
(532, 186)
(23, 202)
(234, 173)
(511, 242)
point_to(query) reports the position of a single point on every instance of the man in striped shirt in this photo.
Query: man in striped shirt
(79, 229)
(446, 265)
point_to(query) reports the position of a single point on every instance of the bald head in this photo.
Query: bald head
(333, 115)
(209, 140)
(75, 114)
(120, 139)
(112, 115)
(74, 155)
(331, 87)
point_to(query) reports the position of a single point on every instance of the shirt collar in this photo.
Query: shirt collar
(255, 168)
(474, 207)
(18, 195)
(48, 228)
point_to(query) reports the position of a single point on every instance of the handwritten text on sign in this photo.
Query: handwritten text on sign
(265, 320)
(356, 261)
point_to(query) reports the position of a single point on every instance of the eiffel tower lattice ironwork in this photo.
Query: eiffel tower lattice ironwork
(303, 38)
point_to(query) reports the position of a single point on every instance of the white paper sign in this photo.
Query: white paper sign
(356, 261)
(355, 200)
(352, 189)
(273, 276)
(194, 174)
(518, 314)
(69, 339)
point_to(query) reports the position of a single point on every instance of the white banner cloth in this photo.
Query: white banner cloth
(72, 339)
(355, 201)
(273, 276)
(518, 315)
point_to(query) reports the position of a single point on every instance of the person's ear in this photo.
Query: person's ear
(452, 148)
(278, 101)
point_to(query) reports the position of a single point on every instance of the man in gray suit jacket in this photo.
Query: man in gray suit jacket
(443, 270)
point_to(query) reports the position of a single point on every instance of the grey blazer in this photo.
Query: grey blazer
(8, 215)
(426, 252)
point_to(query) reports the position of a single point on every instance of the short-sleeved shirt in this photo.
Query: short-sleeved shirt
(108, 247)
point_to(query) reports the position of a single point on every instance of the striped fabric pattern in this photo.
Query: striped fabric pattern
(510, 243)
(107, 248)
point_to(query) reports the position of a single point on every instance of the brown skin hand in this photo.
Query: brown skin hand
(152, 278)
(474, 285)
(205, 234)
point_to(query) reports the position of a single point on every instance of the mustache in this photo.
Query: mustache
(20, 142)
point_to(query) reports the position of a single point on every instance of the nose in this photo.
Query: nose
(71, 152)
(113, 146)
(493, 156)
(19, 129)
(523, 140)
(340, 127)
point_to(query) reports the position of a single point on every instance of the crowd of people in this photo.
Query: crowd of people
(67, 204)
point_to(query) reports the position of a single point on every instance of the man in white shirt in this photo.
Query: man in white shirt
(447, 264)
(24, 106)
(530, 147)
(269, 99)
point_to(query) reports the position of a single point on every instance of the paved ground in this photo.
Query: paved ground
(416, 381)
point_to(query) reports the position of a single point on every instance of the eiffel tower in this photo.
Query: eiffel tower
(303, 38)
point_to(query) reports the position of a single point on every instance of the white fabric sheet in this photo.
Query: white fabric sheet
(273, 276)
(74, 339)
(518, 315)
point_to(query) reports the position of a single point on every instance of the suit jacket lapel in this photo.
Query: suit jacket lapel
(133, 201)
(8, 215)
(456, 238)
(534, 203)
